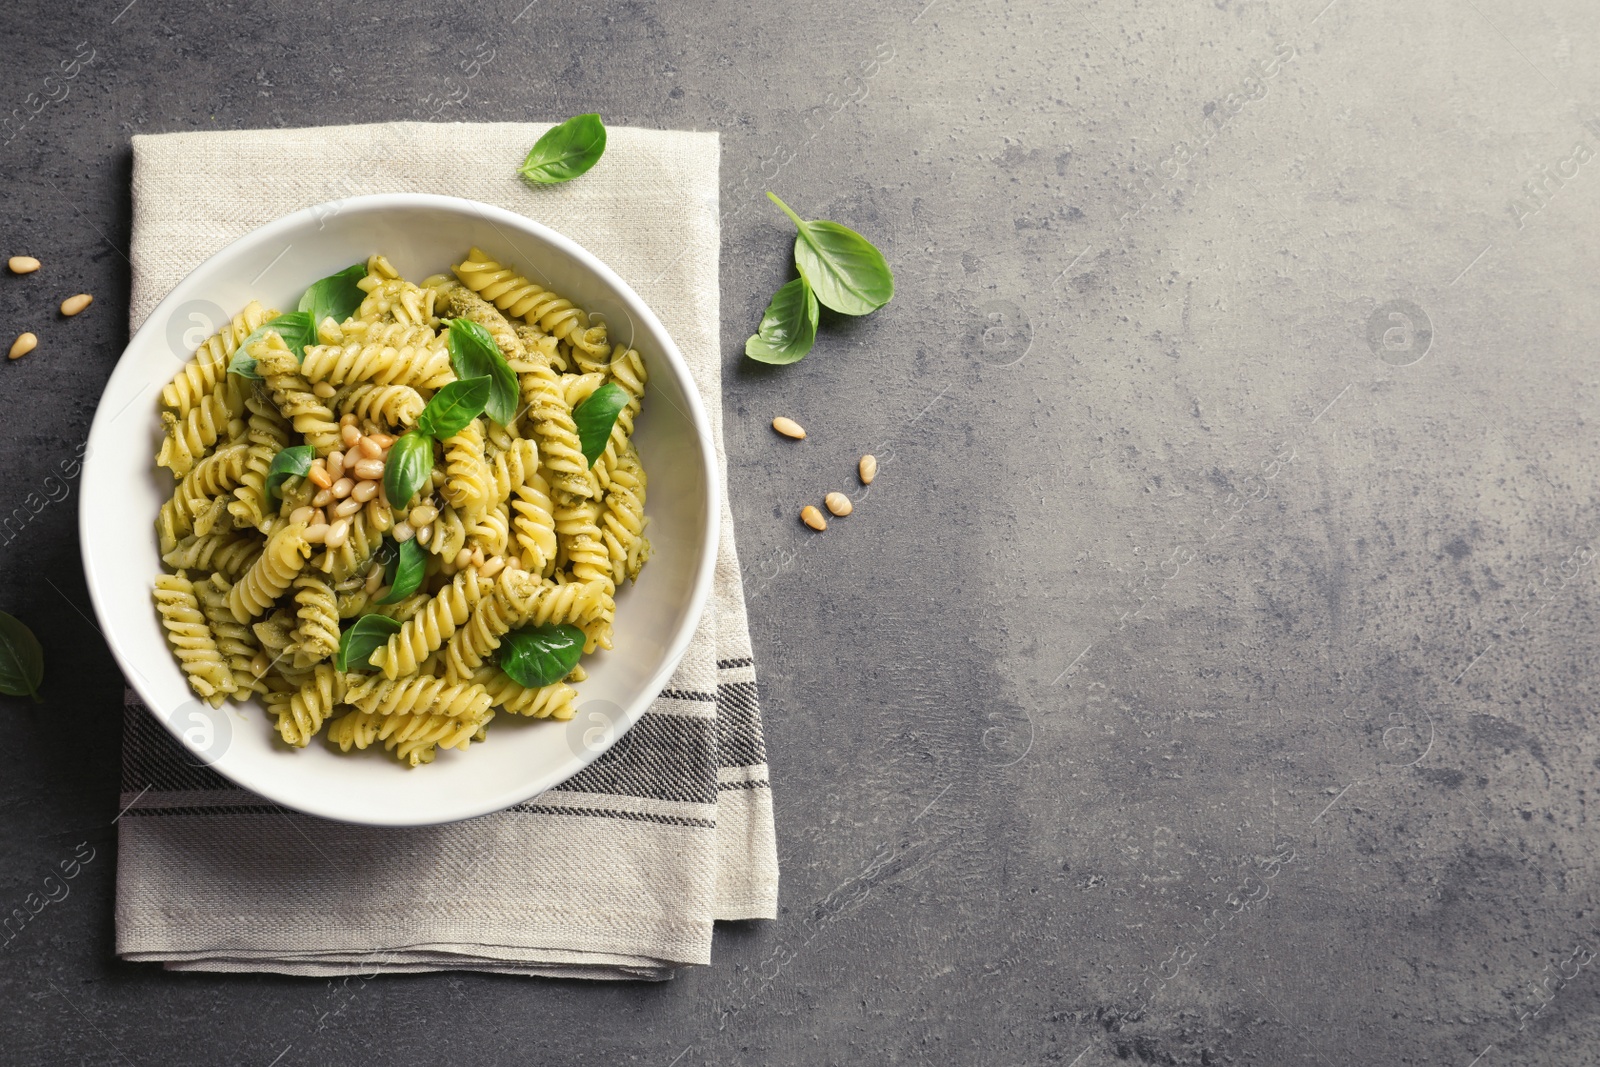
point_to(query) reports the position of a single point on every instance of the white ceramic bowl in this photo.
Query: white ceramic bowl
(122, 491)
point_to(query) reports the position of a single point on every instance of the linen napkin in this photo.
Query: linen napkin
(618, 873)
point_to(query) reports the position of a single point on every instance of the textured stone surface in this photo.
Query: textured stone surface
(1199, 683)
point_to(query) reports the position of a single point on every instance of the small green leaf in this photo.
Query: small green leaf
(845, 270)
(535, 656)
(789, 327)
(566, 151)
(407, 469)
(595, 417)
(22, 660)
(296, 330)
(452, 407)
(360, 641)
(288, 461)
(335, 297)
(474, 354)
(408, 566)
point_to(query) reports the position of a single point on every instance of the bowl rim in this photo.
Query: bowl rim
(704, 566)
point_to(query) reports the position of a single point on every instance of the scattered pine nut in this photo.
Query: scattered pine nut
(370, 448)
(259, 664)
(368, 468)
(403, 532)
(789, 428)
(423, 514)
(364, 491)
(22, 264)
(463, 557)
(336, 465)
(338, 533)
(24, 344)
(342, 487)
(324, 389)
(74, 304)
(838, 503)
(492, 567)
(868, 468)
(813, 518)
(319, 476)
(316, 532)
(350, 433)
(302, 515)
(347, 507)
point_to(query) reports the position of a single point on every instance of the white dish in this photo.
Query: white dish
(123, 490)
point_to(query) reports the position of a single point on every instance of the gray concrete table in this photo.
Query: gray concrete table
(1208, 677)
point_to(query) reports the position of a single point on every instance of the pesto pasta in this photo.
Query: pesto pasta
(283, 546)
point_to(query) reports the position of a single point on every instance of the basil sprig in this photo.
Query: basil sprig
(295, 328)
(536, 656)
(22, 660)
(335, 297)
(452, 407)
(565, 151)
(474, 354)
(404, 572)
(845, 270)
(361, 640)
(410, 459)
(789, 327)
(407, 469)
(289, 461)
(595, 416)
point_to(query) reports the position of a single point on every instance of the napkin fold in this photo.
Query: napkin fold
(619, 872)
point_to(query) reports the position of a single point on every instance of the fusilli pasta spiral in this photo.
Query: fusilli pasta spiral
(191, 639)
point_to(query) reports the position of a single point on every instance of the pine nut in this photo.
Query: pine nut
(346, 508)
(336, 465)
(403, 532)
(349, 432)
(316, 533)
(477, 556)
(370, 448)
(491, 568)
(868, 467)
(384, 440)
(74, 304)
(324, 389)
(813, 518)
(319, 516)
(380, 518)
(789, 428)
(338, 533)
(302, 515)
(374, 579)
(342, 487)
(838, 503)
(423, 514)
(364, 491)
(369, 468)
(260, 664)
(424, 534)
(323, 498)
(22, 264)
(24, 344)
(319, 476)
(463, 557)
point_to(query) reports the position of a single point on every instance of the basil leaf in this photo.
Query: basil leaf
(295, 328)
(452, 407)
(540, 655)
(473, 354)
(789, 327)
(22, 660)
(407, 469)
(565, 151)
(295, 460)
(409, 564)
(595, 417)
(846, 272)
(335, 297)
(357, 644)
